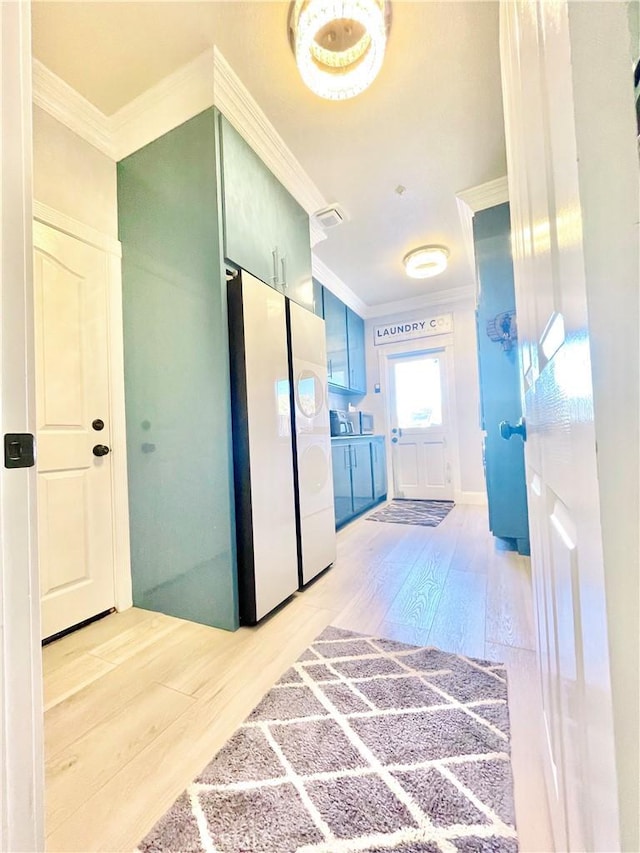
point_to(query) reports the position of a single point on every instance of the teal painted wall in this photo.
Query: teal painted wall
(177, 377)
(499, 377)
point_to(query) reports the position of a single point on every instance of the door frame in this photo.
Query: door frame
(21, 744)
(123, 596)
(386, 356)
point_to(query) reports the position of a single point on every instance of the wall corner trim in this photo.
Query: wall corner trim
(71, 109)
(238, 105)
(416, 303)
(486, 195)
(208, 80)
(335, 284)
(474, 199)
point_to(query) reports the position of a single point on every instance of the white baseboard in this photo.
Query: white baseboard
(472, 498)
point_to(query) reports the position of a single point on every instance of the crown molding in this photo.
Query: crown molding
(471, 201)
(416, 303)
(316, 231)
(71, 109)
(208, 80)
(233, 99)
(485, 195)
(336, 285)
(175, 99)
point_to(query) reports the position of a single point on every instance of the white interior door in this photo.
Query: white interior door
(562, 210)
(420, 426)
(75, 508)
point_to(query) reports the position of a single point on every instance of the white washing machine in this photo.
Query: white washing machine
(317, 529)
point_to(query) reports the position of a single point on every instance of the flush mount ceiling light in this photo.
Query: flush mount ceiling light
(339, 44)
(426, 261)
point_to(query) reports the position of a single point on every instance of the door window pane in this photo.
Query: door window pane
(418, 393)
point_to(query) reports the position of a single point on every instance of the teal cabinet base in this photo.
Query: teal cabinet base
(347, 519)
(359, 476)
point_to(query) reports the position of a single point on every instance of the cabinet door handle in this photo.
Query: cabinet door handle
(351, 373)
(375, 452)
(355, 456)
(344, 457)
(283, 264)
(274, 258)
(330, 368)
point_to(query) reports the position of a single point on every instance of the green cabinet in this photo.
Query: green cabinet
(265, 230)
(379, 468)
(176, 361)
(335, 318)
(359, 475)
(342, 490)
(346, 357)
(357, 356)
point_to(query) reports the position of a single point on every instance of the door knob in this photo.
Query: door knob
(394, 440)
(507, 430)
(101, 450)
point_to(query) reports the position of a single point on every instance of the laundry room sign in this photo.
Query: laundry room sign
(408, 330)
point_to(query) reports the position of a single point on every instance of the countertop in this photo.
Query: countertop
(354, 437)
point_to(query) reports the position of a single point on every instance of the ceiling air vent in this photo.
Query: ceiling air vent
(330, 216)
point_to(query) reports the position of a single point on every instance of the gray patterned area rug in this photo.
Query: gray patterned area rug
(426, 513)
(363, 745)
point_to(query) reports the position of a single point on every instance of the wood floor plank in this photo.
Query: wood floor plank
(410, 579)
(472, 548)
(525, 711)
(368, 608)
(62, 651)
(127, 806)
(79, 772)
(459, 623)
(418, 599)
(509, 600)
(75, 716)
(131, 641)
(411, 634)
(73, 676)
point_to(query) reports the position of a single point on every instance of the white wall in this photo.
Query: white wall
(72, 176)
(466, 390)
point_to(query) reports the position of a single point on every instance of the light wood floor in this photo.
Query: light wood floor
(137, 703)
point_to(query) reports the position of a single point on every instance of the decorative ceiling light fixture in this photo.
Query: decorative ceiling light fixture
(339, 45)
(426, 261)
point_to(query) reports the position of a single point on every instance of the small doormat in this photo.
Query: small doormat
(426, 513)
(364, 744)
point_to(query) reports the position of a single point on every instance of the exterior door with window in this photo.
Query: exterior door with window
(420, 426)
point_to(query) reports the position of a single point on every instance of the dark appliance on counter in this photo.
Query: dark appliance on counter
(362, 422)
(339, 423)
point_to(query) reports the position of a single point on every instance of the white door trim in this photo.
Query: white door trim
(21, 742)
(442, 343)
(119, 483)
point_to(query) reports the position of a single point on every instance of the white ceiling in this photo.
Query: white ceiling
(432, 121)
